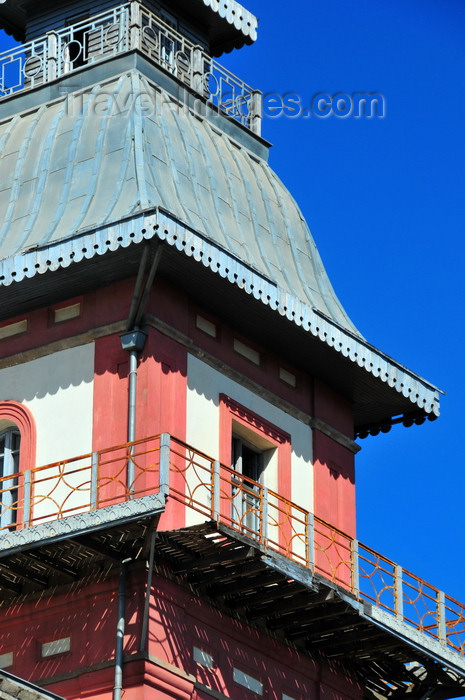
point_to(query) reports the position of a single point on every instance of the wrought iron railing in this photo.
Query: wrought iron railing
(163, 464)
(125, 28)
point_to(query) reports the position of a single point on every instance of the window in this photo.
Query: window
(11, 329)
(203, 658)
(66, 313)
(75, 51)
(259, 452)
(17, 454)
(247, 681)
(9, 468)
(57, 646)
(247, 460)
(168, 41)
(6, 660)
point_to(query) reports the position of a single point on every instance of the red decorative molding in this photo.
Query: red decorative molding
(21, 416)
(230, 410)
(259, 423)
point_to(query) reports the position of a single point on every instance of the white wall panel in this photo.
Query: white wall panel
(58, 390)
(205, 384)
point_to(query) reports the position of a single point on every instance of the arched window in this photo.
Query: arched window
(9, 467)
(17, 454)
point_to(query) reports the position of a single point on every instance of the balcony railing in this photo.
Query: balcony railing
(163, 464)
(125, 28)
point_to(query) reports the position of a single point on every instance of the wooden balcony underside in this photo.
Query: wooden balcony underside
(309, 613)
(272, 565)
(242, 579)
(64, 558)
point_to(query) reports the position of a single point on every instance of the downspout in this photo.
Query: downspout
(133, 341)
(120, 625)
(133, 360)
(145, 619)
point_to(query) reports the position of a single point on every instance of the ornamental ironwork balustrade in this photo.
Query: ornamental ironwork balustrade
(125, 28)
(213, 491)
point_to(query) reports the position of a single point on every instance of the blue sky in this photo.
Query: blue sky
(384, 201)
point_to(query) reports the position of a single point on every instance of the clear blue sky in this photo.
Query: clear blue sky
(384, 201)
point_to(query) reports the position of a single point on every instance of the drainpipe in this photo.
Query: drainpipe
(133, 341)
(120, 624)
(145, 618)
(132, 393)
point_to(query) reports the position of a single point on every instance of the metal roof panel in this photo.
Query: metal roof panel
(85, 183)
(172, 160)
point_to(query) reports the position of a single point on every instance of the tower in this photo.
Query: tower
(180, 388)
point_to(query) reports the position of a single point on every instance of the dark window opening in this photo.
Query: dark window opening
(248, 462)
(76, 49)
(9, 468)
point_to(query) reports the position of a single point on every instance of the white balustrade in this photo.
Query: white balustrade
(124, 28)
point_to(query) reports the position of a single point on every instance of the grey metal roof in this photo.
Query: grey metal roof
(78, 183)
(65, 170)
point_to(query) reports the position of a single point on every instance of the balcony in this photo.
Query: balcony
(129, 27)
(126, 483)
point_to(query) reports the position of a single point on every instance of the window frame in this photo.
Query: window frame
(10, 450)
(236, 420)
(15, 417)
(22, 418)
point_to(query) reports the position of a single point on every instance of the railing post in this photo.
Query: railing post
(355, 569)
(134, 26)
(165, 451)
(27, 498)
(216, 491)
(310, 541)
(442, 629)
(399, 592)
(255, 112)
(198, 79)
(94, 481)
(51, 68)
(264, 516)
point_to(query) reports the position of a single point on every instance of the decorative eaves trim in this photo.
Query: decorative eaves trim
(159, 224)
(230, 10)
(73, 525)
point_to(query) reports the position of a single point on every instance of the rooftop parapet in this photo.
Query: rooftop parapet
(227, 24)
(129, 27)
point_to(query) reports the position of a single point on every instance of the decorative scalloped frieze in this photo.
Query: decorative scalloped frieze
(157, 224)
